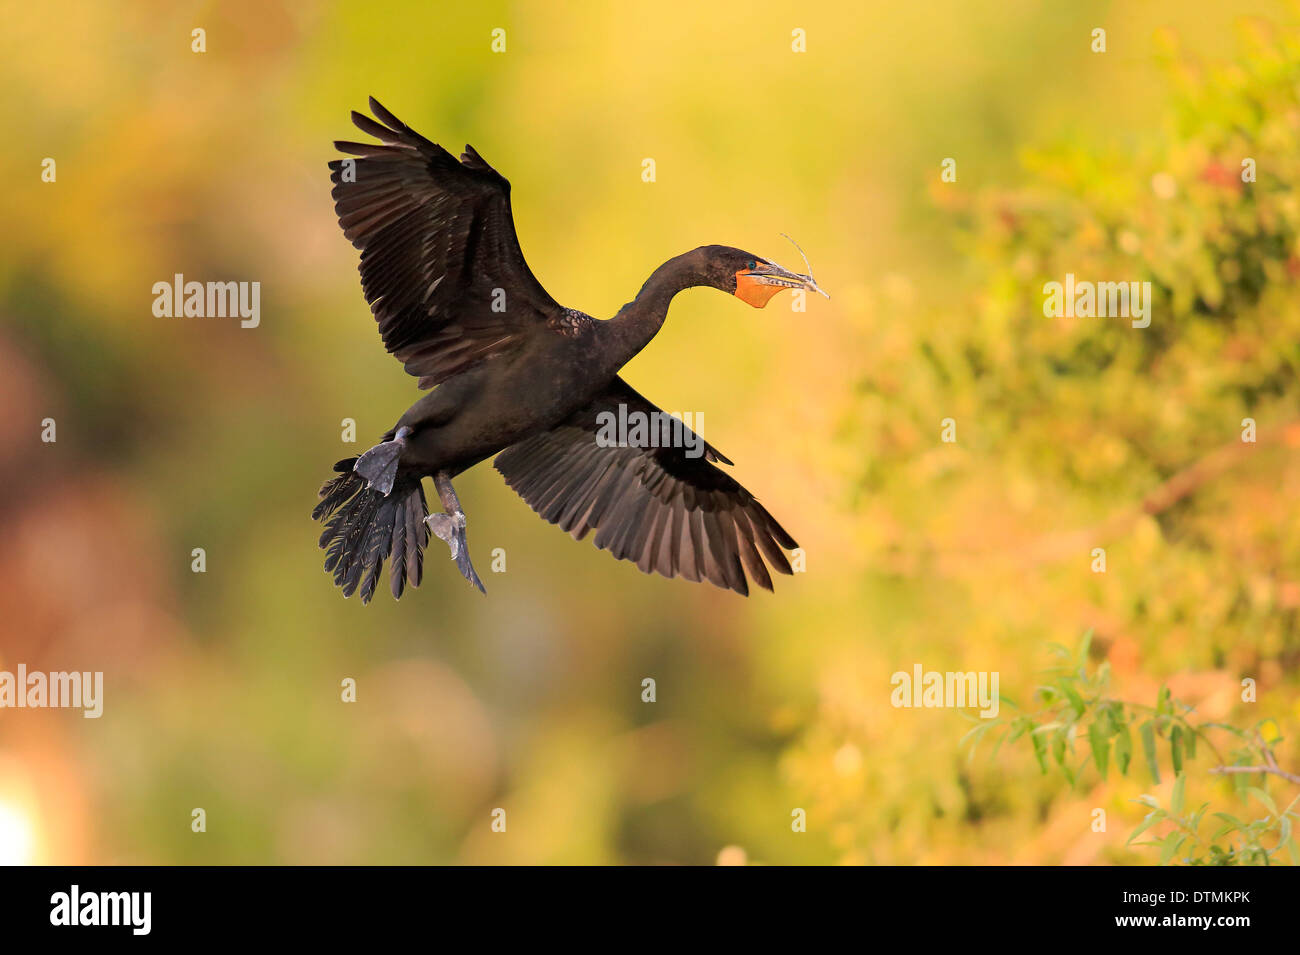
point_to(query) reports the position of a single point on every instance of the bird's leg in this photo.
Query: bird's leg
(379, 465)
(450, 527)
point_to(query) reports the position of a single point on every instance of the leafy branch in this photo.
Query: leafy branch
(1077, 708)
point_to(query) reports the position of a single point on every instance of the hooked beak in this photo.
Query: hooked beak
(757, 285)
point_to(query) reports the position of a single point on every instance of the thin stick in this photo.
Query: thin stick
(1273, 770)
(806, 264)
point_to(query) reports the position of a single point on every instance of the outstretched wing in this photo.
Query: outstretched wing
(668, 512)
(440, 262)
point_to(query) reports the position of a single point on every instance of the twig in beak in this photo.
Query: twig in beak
(806, 264)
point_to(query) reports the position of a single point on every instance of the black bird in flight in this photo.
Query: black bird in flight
(519, 374)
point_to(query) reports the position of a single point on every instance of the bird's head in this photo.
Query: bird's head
(752, 278)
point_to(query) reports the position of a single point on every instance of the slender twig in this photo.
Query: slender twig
(1270, 764)
(1056, 547)
(1290, 777)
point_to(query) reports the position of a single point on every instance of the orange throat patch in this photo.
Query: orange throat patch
(753, 292)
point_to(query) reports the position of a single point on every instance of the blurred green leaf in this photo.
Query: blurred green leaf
(1149, 749)
(1100, 748)
(1147, 822)
(1123, 750)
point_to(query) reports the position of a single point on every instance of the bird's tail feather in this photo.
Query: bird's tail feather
(364, 527)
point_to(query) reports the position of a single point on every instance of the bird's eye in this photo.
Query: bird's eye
(752, 264)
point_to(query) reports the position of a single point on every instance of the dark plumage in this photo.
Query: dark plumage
(519, 374)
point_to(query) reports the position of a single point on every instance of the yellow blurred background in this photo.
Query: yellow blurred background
(223, 688)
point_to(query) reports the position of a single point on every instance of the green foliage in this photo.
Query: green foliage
(1075, 434)
(1077, 708)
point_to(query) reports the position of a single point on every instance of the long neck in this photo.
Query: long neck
(640, 319)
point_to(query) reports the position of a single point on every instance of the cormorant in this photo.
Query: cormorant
(522, 377)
